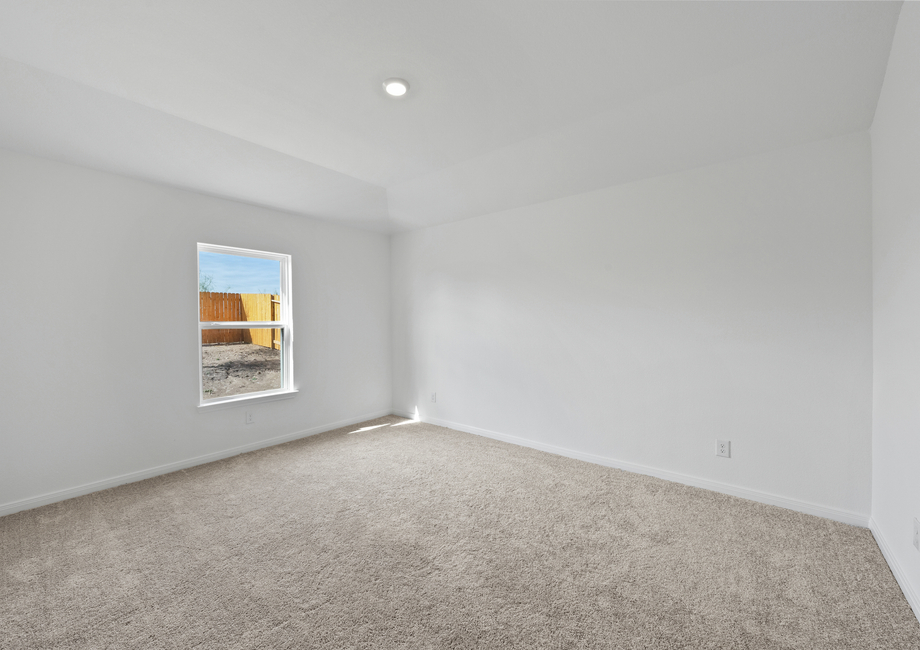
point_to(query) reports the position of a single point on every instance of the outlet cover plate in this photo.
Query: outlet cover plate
(724, 448)
(916, 534)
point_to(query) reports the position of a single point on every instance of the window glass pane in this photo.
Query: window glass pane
(234, 362)
(238, 288)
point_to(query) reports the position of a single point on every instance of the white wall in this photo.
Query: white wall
(642, 322)
(896, 295)
(98, 364)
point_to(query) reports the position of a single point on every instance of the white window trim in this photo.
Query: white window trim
(285, 327)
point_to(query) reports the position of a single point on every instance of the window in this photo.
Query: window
(245, 332)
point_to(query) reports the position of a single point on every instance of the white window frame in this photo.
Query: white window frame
(285, 328)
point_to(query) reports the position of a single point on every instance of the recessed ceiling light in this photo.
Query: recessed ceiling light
(396, 87)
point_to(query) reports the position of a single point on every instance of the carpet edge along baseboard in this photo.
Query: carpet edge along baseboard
(132, 477)
(843, 516)
(836, 514)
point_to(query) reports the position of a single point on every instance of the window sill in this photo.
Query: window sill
(247, 400)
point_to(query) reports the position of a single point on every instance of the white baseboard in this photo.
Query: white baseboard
(844, 516)
(753, 495)
(95, 486)
(899, 574)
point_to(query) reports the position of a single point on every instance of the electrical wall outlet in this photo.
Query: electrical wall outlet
(724, 448)
(434, 397)
(916, 534)
(249, 419)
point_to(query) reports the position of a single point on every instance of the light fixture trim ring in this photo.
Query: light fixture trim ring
(396, 81)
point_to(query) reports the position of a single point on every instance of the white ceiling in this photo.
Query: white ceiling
(279, 102)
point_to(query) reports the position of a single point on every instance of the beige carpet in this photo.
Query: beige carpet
(416, 536)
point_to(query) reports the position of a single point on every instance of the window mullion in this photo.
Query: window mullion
(242, 324)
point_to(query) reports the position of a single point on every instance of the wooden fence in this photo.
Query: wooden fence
(215, 306)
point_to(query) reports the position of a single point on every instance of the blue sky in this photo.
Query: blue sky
(240, 274)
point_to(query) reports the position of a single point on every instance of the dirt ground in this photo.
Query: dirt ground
(236, 368)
